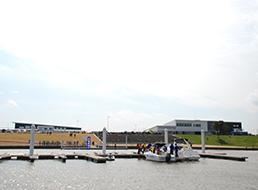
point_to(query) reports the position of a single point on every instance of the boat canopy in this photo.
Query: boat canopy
(160, 144)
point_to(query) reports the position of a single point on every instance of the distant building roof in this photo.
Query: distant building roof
(27, 125)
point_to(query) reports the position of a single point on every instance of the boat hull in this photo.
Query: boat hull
(159, 158)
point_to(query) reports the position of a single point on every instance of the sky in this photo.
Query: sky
(128, 65)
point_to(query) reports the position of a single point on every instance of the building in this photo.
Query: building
(44, 127)
(180, 126)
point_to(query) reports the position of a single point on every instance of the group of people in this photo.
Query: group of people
(143, 148)
(156, 148)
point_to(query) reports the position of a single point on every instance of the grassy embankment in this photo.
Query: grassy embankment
(225, 140)
(23, 138)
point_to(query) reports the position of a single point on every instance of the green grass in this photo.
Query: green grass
(225, 140)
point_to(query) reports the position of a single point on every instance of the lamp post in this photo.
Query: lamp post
(77, 122)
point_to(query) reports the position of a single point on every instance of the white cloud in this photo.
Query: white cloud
(105, 88)
(199, 53)
(15, 92)
(167, 52)
(5, 69)
(256, 76)
(253, 101)
(135, 121)
(11, 103)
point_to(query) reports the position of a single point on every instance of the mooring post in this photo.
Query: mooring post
(32, 134)
(203, 141)
(166, 136)
(104, 141)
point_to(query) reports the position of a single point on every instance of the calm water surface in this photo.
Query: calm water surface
(129, 173)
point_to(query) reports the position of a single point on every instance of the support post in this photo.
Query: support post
(32, 135)
(104, 141)
(203, 141)
(166, 136)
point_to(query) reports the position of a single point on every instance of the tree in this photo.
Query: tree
(220, 127)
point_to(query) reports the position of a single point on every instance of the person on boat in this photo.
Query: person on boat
(164, 148)
(139, 148)
(171, 148)
(156, 147)
(158, 151)
(149, 146)
(176, 150)
(153, 148)
(143, 148)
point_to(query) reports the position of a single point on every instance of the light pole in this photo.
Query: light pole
(77, 122)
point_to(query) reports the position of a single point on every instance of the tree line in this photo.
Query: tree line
(221, 128)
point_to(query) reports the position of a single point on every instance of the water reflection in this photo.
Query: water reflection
(129, 173)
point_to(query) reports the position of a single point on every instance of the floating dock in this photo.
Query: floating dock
(5, 157)
(223, 156)
(100, 158)
(119, 155)
(61, 157)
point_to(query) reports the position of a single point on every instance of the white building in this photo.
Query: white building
(181, 126)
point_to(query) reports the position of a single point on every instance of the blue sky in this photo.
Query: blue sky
(140, 63)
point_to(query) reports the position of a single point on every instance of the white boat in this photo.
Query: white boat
(166, 157)
(185, 151)
(159, 155)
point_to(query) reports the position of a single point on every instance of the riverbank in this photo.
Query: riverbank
(226, 141)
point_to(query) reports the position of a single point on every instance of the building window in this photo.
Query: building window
(197, 125)
(184, 124)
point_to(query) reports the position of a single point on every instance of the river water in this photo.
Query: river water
(129, 173)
